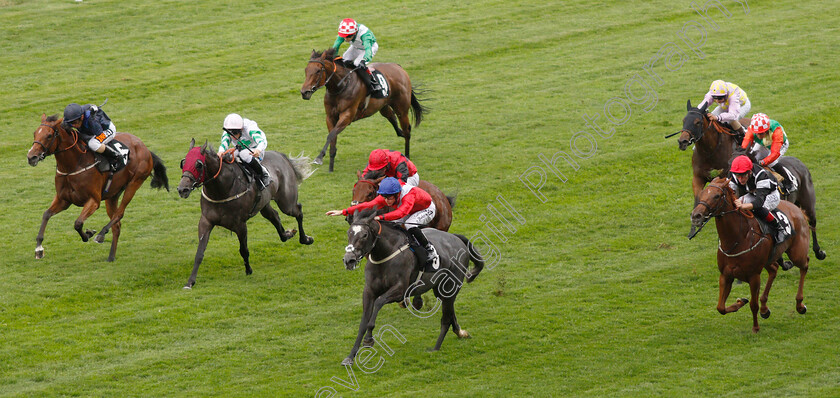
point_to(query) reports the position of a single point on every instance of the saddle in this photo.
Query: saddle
(106, 165)
(784, 221)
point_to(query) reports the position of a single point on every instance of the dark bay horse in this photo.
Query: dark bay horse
(365, 190)
(715, 145)
(744, 250)
(229, 198)
(713, 142)
(79, 182)
(390, 267)
(347, 100)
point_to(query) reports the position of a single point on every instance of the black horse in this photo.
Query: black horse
(803, 196)
(391, 266)
(229, 197)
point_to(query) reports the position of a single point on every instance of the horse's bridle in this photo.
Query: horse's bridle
(355, 202)
(55, 134)
(324, 71)
(699, 136)
(375, 239)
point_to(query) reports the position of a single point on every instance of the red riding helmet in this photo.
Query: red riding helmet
(741, 164)
(378, 159)
(347, 27)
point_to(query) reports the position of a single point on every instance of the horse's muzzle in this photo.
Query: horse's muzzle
(306, 94)
(683, 144)
(350, 261)
(33, 160)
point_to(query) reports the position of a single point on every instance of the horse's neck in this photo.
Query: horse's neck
(390, 240)
(732, 226)
(340, 76)
(71, 159)
(225, 181)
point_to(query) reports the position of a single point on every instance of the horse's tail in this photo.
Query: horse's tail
(301, 165)
(417, 109)
(451, 200)
(159, 178)
(477, 259)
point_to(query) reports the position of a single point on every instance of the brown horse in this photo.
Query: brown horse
(365, 190)
(744, 250)
(713, 142)
(347, 98)
(79, 182)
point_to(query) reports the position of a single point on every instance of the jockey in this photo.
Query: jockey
(414, 207)
(94, 127)
(363, 47)
(250, 144)
(757, 192)
(383, 162)
(732, 101)
(771, 142)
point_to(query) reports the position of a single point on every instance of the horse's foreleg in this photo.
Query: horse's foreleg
(204, 229)
(57, 206)
(755, 286)
(367, 306)
(393, 295)
(331, 121)
(90, 207)
(697, 185)
(771, 268)
(242, 234)
(725, 283)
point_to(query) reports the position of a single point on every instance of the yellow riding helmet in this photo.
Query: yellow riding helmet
(718, 88)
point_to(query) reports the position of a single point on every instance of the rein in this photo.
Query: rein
(324, 71)
(746, 213)
(55, 135)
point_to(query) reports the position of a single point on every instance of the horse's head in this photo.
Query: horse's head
(46, 139)
(714, 200)
(694, 124)
(363, 191)
(193, 169)
(361, 238)
(319, 71)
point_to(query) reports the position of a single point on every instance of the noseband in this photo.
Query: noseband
(375, 239)
(324, 71)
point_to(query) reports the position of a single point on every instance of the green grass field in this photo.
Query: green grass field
(597, 292)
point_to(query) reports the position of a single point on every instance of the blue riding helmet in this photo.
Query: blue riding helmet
(389, 186)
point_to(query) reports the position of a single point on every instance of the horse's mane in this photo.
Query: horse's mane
(328, 53)
(52, 118)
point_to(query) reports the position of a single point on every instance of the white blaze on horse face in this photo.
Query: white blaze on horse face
(349, 249)
(356, 229)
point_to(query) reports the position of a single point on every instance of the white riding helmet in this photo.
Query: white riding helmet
(233, 122)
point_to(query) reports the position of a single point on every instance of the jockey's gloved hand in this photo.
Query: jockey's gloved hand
(363, 64)
(94, 108)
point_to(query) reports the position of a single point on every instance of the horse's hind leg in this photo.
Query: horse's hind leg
(446, 320)
(130, 191)
(90, 207)
(406, 130)
(290, 207)
(242, 234)
(798, 253)
(271, 215)
(461, 333)
(57, 206)
(755, 286)
(388, 113)
(111, 208)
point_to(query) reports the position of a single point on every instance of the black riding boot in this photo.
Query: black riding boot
(261, 176)
(786, 182)
(429, 254)
(114, 157)
(766, 215)
(366, 78)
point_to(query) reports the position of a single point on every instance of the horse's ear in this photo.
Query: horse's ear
(43, 117)
(192, 143)
(358, 174)
(688, 105)
(703, 109)
(378, 180)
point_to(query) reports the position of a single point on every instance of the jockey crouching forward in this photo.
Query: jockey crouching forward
(250, 144)
(769, 142)
(732, 104)
(387, 163)
(414, 209)
(362, 48)
(94, 128)
(756, 190)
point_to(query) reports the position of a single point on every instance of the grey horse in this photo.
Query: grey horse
(229, 197)
(391, 265)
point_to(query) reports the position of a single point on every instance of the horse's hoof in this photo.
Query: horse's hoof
(802, 310)
(39, 254)
(90, 233)
(755, 329)
(248, 271)
(743, 300)
(321, 161)
(417, 303)
(347, 362)
(187, 287)
(463, 334)
(111, 259)
(433, 349)
(307, 240)
(786, 265)
(765, 315)
(820, 255)
(368, 343)
(99, 239)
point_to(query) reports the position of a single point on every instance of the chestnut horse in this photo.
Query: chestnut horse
(347, 99)
(79, 182)
(365, 190)
(744, 250)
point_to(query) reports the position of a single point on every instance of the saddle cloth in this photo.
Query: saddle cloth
(784, 221)
(383, 82)
(104, 162)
